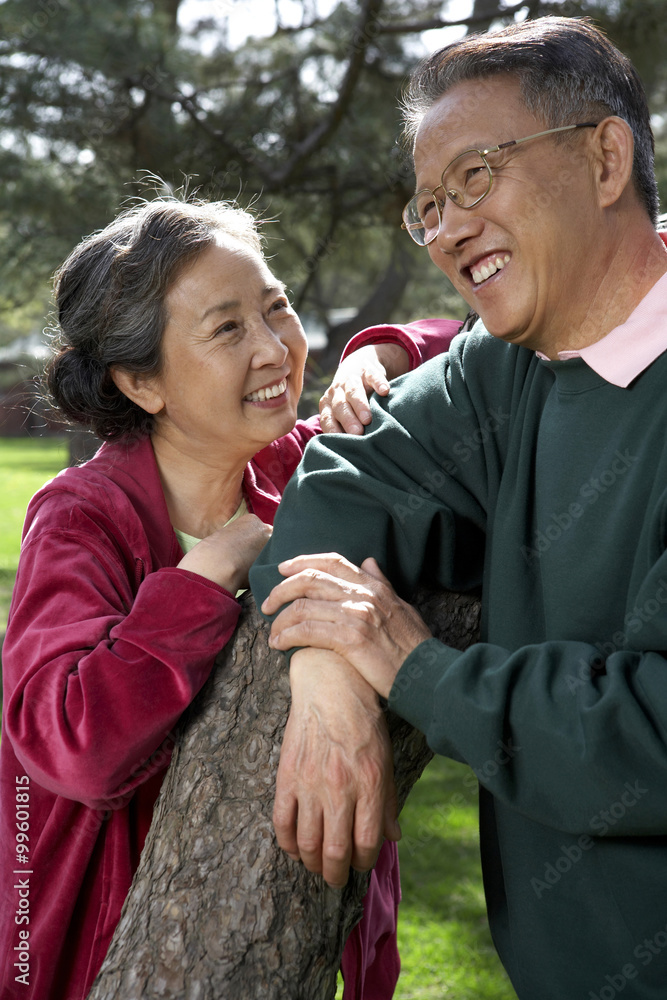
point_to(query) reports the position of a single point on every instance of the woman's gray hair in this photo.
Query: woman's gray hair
(110, 305)
(568, 72)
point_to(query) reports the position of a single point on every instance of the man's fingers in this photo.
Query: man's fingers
(285, 811)
(322, 576)
(327, 562)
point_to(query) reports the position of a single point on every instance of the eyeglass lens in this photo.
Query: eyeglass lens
(465, 181)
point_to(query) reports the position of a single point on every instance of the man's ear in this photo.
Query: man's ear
(141, 389)
(614, 148)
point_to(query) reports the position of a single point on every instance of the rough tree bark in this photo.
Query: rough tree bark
(216, 909)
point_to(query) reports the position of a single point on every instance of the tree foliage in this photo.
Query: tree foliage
(99, 98)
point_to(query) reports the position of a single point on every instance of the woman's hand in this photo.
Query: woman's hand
(226, 556)
(335, 793)
(344, 406)
(352, 611)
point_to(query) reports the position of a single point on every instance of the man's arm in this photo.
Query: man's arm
(382, 495)
(335, 795)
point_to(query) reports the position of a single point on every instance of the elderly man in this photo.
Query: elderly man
(531, 462)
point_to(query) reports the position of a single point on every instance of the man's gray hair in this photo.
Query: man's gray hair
(568, 72)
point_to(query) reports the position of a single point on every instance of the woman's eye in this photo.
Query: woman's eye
(280, 304)
(227, 328)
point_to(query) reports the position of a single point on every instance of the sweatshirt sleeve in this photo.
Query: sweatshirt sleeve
(553, 729)
(422, 340)
(98, 667)
(407, 492)
(548, 734)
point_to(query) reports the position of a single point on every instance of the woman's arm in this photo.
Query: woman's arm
(99, 663)
(371, 360)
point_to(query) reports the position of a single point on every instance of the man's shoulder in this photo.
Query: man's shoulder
(476, 356)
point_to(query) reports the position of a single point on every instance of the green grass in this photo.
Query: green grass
(443, 934)
(445, 945)
(444, 939)
(25, 465)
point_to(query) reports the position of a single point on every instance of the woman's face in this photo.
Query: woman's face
(233, 353)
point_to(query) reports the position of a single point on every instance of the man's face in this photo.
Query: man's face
(534, 234)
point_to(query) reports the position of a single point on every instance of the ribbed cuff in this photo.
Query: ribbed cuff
(412, 695)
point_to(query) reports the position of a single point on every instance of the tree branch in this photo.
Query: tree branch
(413, 27)
(365, 30)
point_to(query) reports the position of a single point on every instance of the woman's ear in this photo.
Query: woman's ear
(141, 389)
(614, 149)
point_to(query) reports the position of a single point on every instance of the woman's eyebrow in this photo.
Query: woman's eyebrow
(220, 307)
(235, 303)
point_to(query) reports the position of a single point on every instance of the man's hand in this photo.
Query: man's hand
(335, 794)
(344, 406)
(352, 611)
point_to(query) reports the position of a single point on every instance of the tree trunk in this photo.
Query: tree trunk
(216, 909)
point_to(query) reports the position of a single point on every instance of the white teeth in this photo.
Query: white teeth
(486, 270)
(269, 393)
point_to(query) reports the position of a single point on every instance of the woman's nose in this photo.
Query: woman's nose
(270, 348)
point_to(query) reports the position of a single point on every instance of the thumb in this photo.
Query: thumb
(371, 567)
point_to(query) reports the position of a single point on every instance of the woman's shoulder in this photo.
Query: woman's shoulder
(106, 495)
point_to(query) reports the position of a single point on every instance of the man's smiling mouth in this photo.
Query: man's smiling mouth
(487, 266)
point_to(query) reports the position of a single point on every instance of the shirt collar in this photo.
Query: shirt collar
(628, 350)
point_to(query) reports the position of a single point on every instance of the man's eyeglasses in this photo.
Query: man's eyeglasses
(465, 181)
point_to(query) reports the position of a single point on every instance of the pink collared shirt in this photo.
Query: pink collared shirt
(627, 350)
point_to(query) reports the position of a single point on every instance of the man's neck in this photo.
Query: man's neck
(626, 275)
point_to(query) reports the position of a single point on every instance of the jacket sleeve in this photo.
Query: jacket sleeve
(98, 667)
(422, 340)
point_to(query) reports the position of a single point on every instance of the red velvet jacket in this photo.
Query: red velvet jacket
(107, 644)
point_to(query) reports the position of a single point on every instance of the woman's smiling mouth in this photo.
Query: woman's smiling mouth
(269, 392)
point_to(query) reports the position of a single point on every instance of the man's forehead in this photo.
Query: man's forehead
(473, 113)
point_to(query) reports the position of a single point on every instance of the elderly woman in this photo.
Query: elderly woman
(180, 348)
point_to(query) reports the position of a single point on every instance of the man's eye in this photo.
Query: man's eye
(280, 304)
(428, 212)
(226, 328)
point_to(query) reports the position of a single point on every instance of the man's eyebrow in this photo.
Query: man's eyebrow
(235, 303)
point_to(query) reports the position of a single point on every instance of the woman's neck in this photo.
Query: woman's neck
(201, 494)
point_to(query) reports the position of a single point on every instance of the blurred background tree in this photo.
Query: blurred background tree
(289, 106)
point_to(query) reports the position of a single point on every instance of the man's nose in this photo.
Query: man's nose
(456, 226)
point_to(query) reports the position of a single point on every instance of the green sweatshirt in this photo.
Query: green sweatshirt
(546, 486)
